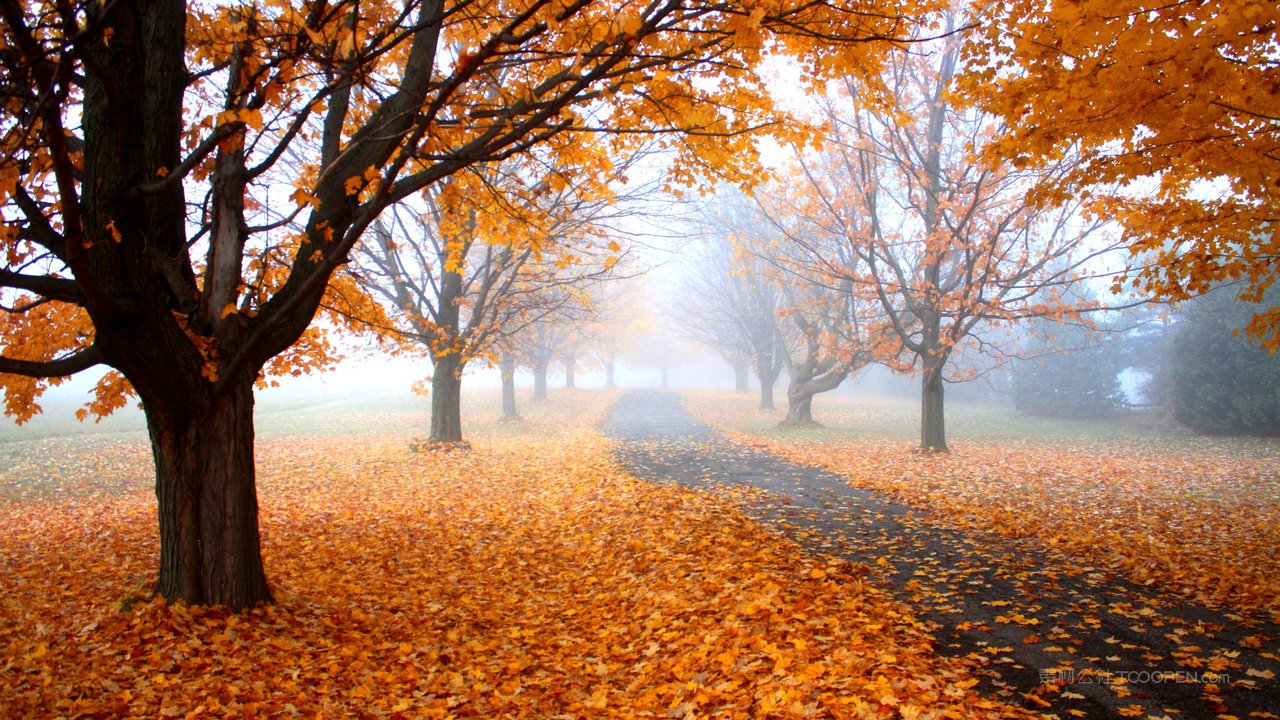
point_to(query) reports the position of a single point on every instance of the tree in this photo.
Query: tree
(563, 312)
(179, 183)
(952, 246)
(1222, 384)
(729, 299)
(1174, 105)
(834, 329)
(714, 313)
(829, 322)
(617, 311)
(475, 265)
(1075, 374)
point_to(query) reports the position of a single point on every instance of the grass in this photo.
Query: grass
(844, 416)
(57, 456)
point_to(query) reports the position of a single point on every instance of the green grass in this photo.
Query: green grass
(845, 416)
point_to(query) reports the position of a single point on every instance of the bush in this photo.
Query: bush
(1223, 383)
(1075, 377)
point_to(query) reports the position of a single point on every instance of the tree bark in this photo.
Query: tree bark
(446, 400)
(766, 393)
(933, 429)
(568, 372)
(809, 378)
(508, 368)
(208, 510)
(799, 409)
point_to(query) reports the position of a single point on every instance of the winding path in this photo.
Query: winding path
(1049, 633)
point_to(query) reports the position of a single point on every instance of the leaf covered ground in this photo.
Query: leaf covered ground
(528, 577)
(1199, 517)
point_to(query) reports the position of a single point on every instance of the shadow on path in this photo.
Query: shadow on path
(1049, 633)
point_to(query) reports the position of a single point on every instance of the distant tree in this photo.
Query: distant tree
(1222, 383)
(707, 291)
(474, 260)
(951, 245)
(1072, 374)
(730, 298)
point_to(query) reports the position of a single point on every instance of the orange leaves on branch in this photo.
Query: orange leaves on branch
(1174, 106)
(42, 331)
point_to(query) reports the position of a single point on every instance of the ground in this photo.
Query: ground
(1051, 628)
(535, 575)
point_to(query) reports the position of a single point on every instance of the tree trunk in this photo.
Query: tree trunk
(768, 368)
(208, 508)
(508, 368)
(741, 382)
(799, 409)
(568, 372)
(609, 366)
(933, 429)
(540, 382)
(446, 400)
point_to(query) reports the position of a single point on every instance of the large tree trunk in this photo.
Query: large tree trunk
(208, 508)
(508, 368)
(446, 400)
(741, 381)
(933, 429)
(799, 409)
(809, 378)
(540, 381)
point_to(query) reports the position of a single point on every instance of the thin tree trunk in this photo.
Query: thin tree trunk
(609, 367)
(210, 551)
(508, 368)
(933, 429)
(446, 400)
(540, 381)
(568, 372)
(768, 368)
(766, 394)
(741, 381)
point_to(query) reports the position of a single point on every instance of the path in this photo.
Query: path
(1115, 649)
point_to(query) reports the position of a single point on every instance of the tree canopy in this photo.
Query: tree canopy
(1177, 108)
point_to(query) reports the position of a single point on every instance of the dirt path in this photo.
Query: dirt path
(1051, 633)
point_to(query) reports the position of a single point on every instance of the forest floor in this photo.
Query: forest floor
(1059, 631)
(530, 576)
(535, 575)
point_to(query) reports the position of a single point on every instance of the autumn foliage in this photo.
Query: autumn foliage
(1175, 106)
(527, 578)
